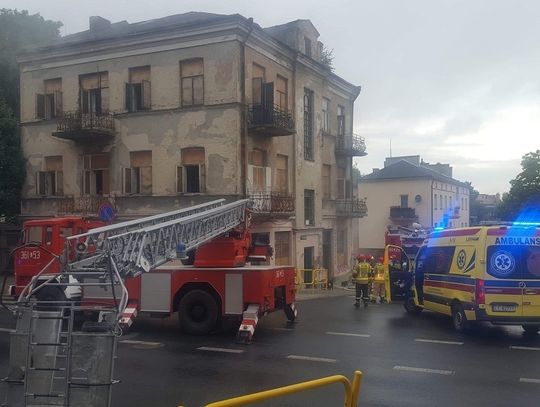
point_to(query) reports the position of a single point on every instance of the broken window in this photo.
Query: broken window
(190, 176)
(94, 93)
(282, 253)
(258, 171)
(50, 182)
(192, 82)
(281, 89)
(326, 181)
(96, 179)
(138, 89)
(257, 81)
(49, 103)
(282, 174)
(138, 178)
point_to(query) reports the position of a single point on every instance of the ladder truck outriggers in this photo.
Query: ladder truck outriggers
(193, 261)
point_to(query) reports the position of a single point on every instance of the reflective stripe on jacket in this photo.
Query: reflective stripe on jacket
(361, 273)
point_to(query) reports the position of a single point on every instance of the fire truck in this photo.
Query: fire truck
(190, 261)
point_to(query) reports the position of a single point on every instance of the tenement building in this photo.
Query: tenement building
(172, 112)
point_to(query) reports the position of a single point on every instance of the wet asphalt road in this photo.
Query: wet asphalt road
(407, 361)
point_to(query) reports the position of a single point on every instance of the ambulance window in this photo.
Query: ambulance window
(531, 259)
(436, 260)
(514, 262)
(48, 235)
(34, 234)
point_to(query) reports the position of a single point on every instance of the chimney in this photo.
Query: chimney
(98, 23)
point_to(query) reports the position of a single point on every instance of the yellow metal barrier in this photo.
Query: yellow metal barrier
(311, 278)
(352, 391)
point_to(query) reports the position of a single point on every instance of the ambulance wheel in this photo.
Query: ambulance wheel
(198, 312)
(459, 318)
(51, 298)
(531, 329)
(411, 307)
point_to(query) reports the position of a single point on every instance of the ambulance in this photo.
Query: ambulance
(485, 273)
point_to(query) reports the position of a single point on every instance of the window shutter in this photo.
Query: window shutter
(179, 179)
(145, 180)
(129, 103)
(187, 92)
(268, 95)
(59, 183)
(40, 183)
(250, 179)
(268, 181)
(198, 90)
(58, 104)
(40, 106)
(202, 178)
(84, 101)
(127, 180)
(145, 89)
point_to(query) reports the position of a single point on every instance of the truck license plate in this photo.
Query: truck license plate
(504, 307)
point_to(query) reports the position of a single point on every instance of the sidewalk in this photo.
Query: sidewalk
(313, 293)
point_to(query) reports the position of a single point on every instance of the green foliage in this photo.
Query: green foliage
(356, 175)
(327, 58)
(11, 163)
(18, 30)
(524, 189)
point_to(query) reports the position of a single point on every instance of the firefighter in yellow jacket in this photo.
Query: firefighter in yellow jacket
(379, 281)
(361, 280)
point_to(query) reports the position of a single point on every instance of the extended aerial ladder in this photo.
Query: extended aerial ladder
(102, 257)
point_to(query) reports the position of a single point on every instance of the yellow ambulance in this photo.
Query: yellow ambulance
(487, 273)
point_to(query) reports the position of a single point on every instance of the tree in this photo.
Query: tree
(327, 57)
(11, 163)
(523, 199)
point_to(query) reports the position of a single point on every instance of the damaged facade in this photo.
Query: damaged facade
(172, 112)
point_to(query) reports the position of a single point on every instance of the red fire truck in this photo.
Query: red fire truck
(197, 262)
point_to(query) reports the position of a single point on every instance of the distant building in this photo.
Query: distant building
(408, 191)
(485, 208)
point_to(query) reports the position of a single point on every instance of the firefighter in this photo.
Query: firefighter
(361, 280)
(378, 282)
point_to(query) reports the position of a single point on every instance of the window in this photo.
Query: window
(257, 81)
(440, 202)
(307, 46)
(282, 174)
(445, 202)
(327, 181)
(258, 169)
(94, 93)
(191, 175)
(96, 174)
(282, 245)
(513, 261)
(49, 104)
(341, 183)
(435, 201)
(341, 242)
(192, 82)
(435, 260)
(309, 207)
(308, 124)
(138, 89)
(325, 115)
(138, 178)
(51, 181)
(281, 89)
(341, 121)
(404, 201)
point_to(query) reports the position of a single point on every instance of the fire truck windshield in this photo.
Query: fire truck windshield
(33, 234)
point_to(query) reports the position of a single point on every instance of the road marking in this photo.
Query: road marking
(523, 348)
(528, 380)
(132, 342)
(311, 359)
(438, 341)
(348, 334)
(7, 330)
(224, 350)
(281, 329)
(424, 370)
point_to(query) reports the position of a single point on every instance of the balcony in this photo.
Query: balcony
(83, 205)
(83, 127)
(272, 204)
(397, 213)
(270, 121)
(351, 208)
(350, 145)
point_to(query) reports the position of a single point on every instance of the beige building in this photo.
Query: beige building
(409, 191)
(171, 112)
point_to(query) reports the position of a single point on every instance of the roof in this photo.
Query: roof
(404, 169)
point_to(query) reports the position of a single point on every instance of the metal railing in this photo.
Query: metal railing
(274, 116)
(350, 145)
(352, 390)
(77, 121)
(397, 212)
(356, 208)
(272, 203)
(311, 278)
(84, 205)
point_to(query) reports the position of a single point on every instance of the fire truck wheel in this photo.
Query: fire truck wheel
(52, 298)
(198, 312)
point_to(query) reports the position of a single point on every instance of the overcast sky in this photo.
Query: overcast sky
(453, 81)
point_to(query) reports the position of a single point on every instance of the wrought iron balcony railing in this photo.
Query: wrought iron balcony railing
(272, 203)
(83, 205)
(80, 126)
(270, 121)
(399, 213)
(351, 208)
(350, 145)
